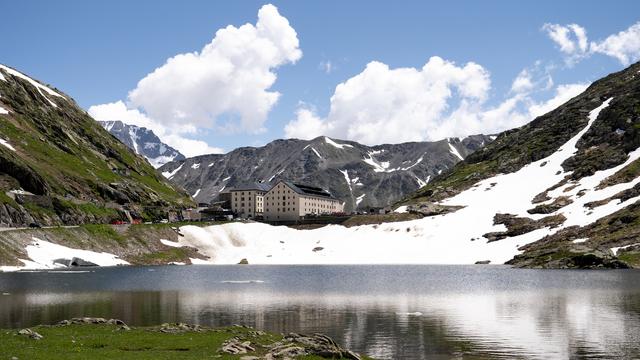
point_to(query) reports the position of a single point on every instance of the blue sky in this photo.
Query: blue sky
(98, 51)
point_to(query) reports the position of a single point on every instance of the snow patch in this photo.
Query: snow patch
(579, 241)
(43, 253)
(359, 199)
(195, 166)
(170, 174)
(6, 144)
(454, 151)
(616, 249)
(401, 209)
(3, 111)
(335, 144)
(316, 152)
(196, 193)
(37, 85)
(170, 243)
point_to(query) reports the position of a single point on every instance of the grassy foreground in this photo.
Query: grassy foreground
(107, 341)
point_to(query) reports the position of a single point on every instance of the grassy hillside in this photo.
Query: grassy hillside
(71, 168)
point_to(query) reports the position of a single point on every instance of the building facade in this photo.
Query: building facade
(247, 201)
(287, 201)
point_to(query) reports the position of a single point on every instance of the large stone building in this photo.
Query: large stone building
(287, 201)
(247, 200)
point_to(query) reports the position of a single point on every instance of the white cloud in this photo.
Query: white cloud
(572, 41)
(327, 66)
(562, 94)
(231, 75)
(404, 104)
(119, 111)
(382, 105)
(306, 126)
(225, 86)
(624, 46)
(523, 83)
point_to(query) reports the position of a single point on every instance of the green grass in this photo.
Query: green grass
(79, 342)
(163, 257)
(631, 258)
(106, 232)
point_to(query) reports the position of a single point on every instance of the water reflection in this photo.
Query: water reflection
(385, 312)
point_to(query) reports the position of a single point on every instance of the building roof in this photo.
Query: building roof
(252, 186)
(308, 190)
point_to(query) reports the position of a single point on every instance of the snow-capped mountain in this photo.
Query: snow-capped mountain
(560, 192)
(362, 176)
(143, 141)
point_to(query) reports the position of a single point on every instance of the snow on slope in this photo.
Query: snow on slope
(170, 174)
(3, 111)
(37, 85)
(5, 143)
(454, 238)
(335, 144)
(43, 253)
(454, 151)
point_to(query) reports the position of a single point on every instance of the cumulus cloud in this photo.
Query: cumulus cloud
(573, 42)
(403, 104)
(119, 111)
(624, 46)
(522, 83)
(225, 86)
(442, 99)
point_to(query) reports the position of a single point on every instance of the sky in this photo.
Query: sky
(213, 76)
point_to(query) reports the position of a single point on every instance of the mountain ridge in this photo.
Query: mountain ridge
(143, 141)
(362, 176)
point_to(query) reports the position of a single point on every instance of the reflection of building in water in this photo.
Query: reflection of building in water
(545, 323)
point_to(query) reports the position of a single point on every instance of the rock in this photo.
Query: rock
(317, 248)
(244, 262)
(483, 262)
(73, 262)
(235, 347)
(431, 209)
(286, 351)
(30, 334)
(179, 328)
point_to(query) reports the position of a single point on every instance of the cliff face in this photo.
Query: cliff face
(362, 176)
(59, 166)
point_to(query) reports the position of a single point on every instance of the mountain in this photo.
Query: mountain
(143, 141)
(59, 166)
(565, 188)
(362, 176)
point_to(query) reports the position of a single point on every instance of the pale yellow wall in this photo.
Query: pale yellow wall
(247, 203)
(284, 204)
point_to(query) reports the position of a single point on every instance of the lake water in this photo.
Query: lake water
(387, 312)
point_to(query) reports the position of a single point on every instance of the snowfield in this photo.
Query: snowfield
(42, 255)
(453, 238)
